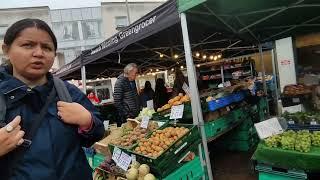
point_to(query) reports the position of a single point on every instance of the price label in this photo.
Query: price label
(313, 123)
(227, 84)
(177, 112)
(228, 108)
(186, 89)
(145, 122)
(124, 161)
(116, 154)
(291, 122)
(133, 157)
(268, 128)
(296, 100)
(150, 104)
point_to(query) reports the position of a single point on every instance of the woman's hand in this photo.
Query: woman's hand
(11, 136)
(74, 113)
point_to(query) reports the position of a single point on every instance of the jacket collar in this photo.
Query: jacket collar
(9, 84)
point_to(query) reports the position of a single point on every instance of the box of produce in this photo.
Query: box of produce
(293, 90)
(166, 145)
(298, 150)
(132, 136)
(303, 120)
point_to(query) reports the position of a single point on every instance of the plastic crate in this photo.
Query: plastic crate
(239, 145)
(242, 135)
(219, 103)
(246, 125)
(297, 127)
(97, 160)
(165, 115)
(213, 128)
(238, 96)
(273, 173)
(190, 171)
(171, 156)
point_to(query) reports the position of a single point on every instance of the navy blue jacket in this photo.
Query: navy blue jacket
(56, 151)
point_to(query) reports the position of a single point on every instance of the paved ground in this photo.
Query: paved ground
(229, 165)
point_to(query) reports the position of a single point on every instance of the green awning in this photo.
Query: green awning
(257, 20)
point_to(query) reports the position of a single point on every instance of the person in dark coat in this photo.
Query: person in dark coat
(56, 150)
(125, 95)
(161, 97)
(146, 94)
(179, 80)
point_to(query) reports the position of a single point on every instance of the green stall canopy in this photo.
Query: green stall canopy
(256, 20)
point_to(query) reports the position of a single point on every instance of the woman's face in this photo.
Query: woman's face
(31, 54)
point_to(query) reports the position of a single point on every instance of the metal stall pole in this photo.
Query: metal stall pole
(195, 99)
(83, 78)
(263, 77)
(274, 73)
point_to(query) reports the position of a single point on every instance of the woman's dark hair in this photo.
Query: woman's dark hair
(15, 29)
(161, 96)
(147, 86)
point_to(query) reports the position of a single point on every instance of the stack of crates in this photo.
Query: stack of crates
(242, 138)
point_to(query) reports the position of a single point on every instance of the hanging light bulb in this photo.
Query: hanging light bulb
(198, 65)
(181, 67)
(172, 69)
(176, 56)
(204, 57)
(161, 55)
(215, 58)
(211, 57)
(219, 56)
(151, 70)
(153, 74)
(197, 54)
(157, 70)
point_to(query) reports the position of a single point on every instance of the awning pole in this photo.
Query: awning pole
(263, 77)
(195, 99)
(83, 77)
(274, 72)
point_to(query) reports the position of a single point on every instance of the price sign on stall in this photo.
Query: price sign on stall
(150, 104)
(177, 112)
(145, 122)
(268, 128)
(116, 154)
(124, 161)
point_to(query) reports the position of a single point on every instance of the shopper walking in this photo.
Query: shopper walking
(56, 150)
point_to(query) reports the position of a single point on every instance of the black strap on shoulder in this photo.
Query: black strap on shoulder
(62, 90)
(18, 153)
(3, 109)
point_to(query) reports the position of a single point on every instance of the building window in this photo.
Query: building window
(91, 29)
(66, 31)
(3, 30)
(121, 22)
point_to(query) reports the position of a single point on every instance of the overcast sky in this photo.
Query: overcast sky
(58, 4)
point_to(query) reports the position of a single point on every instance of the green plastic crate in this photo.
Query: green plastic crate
(242, 135)
(97, 160)
(190, 171)
(165, 115)
(271, 173)
(171, 156)
(246, 125)
(238, 145)
(212, 128)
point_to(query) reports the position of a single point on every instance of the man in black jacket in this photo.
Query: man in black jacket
(125, 96)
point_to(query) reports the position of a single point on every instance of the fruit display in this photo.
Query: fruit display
(302, 117)
(145, 112)
(178, 100)
(290, 140)
(141, 172)
(131, 137)
(107, 170)
(160, 141)
(315, 137)
(293, 90)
